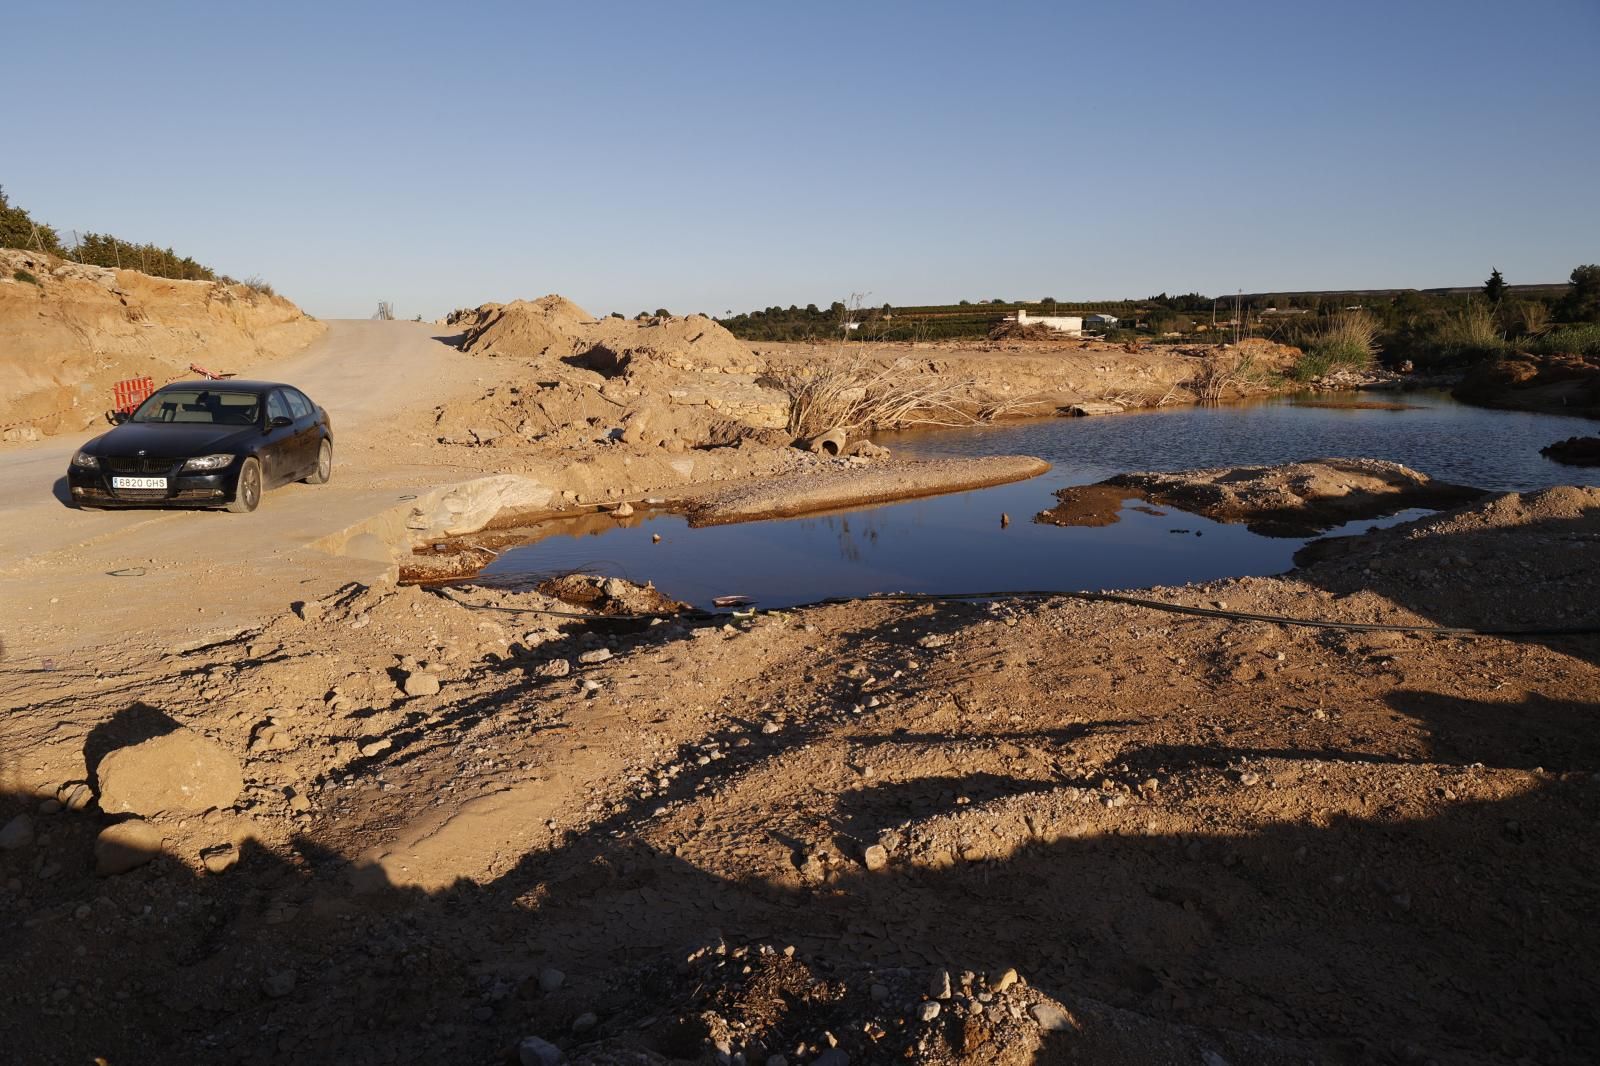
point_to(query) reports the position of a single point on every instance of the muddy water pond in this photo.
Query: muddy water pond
(957, 543)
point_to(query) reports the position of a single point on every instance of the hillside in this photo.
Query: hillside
(72, 330)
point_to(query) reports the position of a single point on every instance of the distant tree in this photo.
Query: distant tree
(811, 309)
(1582, 302)
(1495, 288)
(662, 312)
(997, 300)
(965, 303)
(1048, 301)
(19, 230)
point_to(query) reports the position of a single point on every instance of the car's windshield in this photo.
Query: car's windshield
(218, 407)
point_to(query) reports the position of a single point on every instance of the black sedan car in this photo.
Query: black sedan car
(206, 444)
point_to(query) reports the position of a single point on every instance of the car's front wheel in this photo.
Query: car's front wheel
(324, 465)
(247, 496)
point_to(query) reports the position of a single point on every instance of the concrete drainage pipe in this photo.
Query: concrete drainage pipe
(830, 443)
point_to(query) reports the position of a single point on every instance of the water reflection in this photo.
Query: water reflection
(958, 543)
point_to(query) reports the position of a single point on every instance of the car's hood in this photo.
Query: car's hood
(176, 439)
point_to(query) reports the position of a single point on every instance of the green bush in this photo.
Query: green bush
(23, 275)
(1346, 342)
(1570, 340)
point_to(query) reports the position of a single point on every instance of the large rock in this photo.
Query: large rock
(125, 846)
(18, 833)
(179, 771)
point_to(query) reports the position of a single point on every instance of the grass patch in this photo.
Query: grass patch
(1569, 340)
(23, 275)
(1348, 341)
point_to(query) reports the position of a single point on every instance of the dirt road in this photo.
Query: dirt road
(55, 581)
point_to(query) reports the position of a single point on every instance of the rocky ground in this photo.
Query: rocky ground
(398, 825)
(1287, 500)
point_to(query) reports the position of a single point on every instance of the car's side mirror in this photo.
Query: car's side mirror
(119, 417)
(279, 422)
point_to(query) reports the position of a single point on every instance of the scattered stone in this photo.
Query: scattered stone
(17, 833)
(769, 727)
(623, 510)
(177, 771)
(1052, 1018)
(50, 806)
(126, 846)
(420, 683)
(219, 857)
(834, 1056)
(595, 655)
(1004, 981)
(939, 985)
(551, 979)
(1249, 777)
(876, 857)
(375, 747)
(585, 1021)
(75, 795)
(929, 1010)
(553, 668)
(533, 1051)
(278, 983)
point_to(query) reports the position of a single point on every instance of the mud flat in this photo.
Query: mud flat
(1288, 500)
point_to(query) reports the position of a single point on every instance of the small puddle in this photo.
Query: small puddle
(941, 544)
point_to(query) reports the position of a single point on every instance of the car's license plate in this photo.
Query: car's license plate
(138, 482)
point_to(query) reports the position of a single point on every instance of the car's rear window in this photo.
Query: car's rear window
(217, 407)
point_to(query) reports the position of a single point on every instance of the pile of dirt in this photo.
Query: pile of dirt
(610, 595)
(1566, 383)
(71, 331)
(525, 329)
(1287, 500)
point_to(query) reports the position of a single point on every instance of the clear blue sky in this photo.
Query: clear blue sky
(706, 157)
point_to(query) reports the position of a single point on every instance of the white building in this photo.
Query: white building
(1099, 321)
(1071, 325)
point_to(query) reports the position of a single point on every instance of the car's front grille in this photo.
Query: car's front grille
(142, 464)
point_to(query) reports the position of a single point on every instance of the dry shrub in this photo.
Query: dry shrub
(1535, 317)
(844, 392)
(1472, 329)
(1221, 372)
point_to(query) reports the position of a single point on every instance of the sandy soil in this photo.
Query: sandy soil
(356, 822)
(74, 330)
(1287, 500)
(1187, 836)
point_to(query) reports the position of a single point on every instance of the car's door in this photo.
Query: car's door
(279, 458)
(308, 438)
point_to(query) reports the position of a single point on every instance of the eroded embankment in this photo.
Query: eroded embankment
(73, 330)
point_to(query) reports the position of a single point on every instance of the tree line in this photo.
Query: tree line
(20, 230)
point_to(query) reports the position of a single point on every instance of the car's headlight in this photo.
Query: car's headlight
(208, 462)
(85, 461)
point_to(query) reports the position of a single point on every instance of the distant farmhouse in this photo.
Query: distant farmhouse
(1071, 325)
(1100, 321)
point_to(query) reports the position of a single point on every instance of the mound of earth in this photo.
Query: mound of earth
(526, 329)
(1569, 383)
(1288, 500)
(71, 331)
(1574, 451)
(610, 595)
